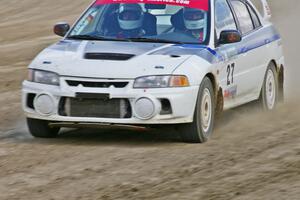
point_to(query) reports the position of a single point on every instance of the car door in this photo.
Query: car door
(250, 52)
(229, 67)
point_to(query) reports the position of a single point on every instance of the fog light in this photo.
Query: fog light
(145, 108)
(44, 104)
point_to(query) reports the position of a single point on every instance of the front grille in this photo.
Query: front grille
(97, 84)
(108, 56)
(95, 108)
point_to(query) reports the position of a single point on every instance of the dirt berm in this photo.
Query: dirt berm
(252, 155)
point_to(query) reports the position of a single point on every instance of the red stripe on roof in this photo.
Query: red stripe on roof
(199, 4)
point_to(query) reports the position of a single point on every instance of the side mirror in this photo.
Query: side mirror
(61, 29)
(230, 36)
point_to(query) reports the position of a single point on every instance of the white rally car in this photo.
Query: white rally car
(141, 63)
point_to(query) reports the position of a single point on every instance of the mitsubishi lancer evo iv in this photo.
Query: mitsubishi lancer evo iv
(148, 63)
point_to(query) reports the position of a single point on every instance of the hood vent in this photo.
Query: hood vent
(108, 56)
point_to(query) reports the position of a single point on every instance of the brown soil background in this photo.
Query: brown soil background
(252, 155)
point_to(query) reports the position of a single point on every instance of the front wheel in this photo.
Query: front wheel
(270, 92)
(202, 127)
(41, 129)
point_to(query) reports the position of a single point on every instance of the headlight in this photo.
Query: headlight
(43, 77)
(161, 81)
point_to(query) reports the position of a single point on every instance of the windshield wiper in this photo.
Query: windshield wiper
(154, 40)
(84, 37)
(93, 37)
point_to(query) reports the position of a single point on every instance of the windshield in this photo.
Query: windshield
(166, 21)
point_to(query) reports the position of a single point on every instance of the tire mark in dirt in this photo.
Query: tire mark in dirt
(184, 177)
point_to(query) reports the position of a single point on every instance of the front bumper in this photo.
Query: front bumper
(182, 101)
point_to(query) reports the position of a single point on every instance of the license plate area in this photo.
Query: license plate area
(102, 96)
(95, 106)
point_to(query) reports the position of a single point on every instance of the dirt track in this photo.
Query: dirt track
(252, 155)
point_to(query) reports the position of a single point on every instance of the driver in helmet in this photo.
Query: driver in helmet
(130, 19)
(195, 22)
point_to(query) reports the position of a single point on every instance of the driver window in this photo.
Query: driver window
(243, 16)
(224, 18)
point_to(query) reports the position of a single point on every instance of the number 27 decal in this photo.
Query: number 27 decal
(230, 73)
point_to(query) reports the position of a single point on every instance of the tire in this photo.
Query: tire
(270, 91)
(40, 129)
(200, 130)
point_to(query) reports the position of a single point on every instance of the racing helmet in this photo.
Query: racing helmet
(194, 19)
(130, 16)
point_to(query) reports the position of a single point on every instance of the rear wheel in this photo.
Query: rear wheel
(270, 91)
(202, 127)
(41, 129)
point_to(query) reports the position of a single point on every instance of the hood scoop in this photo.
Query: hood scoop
(108, 56)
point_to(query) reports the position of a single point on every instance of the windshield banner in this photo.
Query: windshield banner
(199, 4)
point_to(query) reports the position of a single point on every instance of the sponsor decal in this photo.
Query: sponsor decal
(159, 67)
(230, 92)
(47, 62)
(199, 4)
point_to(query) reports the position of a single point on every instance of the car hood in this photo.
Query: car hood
(110, 59)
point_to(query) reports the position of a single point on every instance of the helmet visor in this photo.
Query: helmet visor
(193, 15)
(129, 15)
